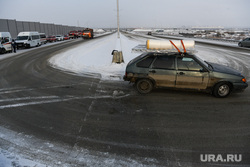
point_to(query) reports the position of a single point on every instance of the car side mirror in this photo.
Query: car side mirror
(203, 70)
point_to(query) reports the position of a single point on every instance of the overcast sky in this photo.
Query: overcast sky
(133, 13)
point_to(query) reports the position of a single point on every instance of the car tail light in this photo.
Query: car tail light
(244, 80)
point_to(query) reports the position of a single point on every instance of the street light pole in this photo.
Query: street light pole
(118, 24)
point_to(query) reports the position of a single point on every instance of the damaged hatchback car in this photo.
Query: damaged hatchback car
(173, 70)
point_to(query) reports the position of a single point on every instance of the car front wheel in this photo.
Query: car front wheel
(240, 44)
(222, 90)
(2, 50)
(144, 86)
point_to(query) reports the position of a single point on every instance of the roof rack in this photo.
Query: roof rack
(166, 46)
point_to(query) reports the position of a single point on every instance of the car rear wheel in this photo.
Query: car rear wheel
(144, 86)
(222, 89)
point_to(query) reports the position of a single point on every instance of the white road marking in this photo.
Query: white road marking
(54, 99)
(28, 98)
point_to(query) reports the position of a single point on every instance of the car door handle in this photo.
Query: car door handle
(181, 73)
(153, 71)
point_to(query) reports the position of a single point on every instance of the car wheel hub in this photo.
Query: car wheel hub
(144, 85)
(223, 90)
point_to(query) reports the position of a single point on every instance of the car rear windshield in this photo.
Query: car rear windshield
(145, 63)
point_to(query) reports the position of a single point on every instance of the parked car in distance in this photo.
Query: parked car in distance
(79, 33)
(244, 43)
(5, 42)
(28, 39)
(151, 70)
(43, 38)
(51, 38)
(73, 34)
(59, 38)
(66, 37)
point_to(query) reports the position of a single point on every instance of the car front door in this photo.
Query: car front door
(246, 42)
(163, 71)
(190, 74)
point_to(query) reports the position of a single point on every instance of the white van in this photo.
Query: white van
(28, 39)
(5, 42)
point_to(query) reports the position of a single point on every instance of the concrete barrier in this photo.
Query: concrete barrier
(117, 57)
(14, 27)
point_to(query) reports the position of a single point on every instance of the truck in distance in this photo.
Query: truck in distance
(88, 33)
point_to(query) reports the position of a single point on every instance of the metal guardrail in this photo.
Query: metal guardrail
(212, 39)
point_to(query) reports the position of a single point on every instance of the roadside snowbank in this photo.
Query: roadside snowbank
(95, 57)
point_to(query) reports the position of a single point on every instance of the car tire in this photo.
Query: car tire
(144, 86)
(222, 89)
(2, 51)
(240, 44)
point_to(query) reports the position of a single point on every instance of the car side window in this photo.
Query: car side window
(145, 63)
(164, 62)
(188, 64)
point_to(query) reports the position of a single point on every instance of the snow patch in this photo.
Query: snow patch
(94, 57)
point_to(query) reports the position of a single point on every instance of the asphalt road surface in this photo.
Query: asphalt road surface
(163, 128)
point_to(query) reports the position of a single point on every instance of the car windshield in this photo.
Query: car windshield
(204, 62)
(22, 38)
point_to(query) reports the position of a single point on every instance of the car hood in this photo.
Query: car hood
(224, 69)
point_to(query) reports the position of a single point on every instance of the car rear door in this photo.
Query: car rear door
(163, 71)
(190, 74)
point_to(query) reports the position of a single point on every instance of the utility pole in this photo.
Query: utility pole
(118, 24)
